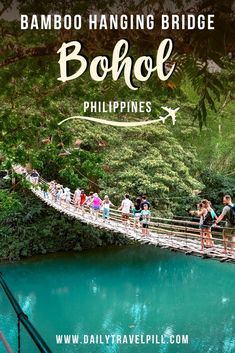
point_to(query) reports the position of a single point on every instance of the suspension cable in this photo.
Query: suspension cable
(23, 318)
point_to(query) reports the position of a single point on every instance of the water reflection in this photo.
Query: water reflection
(127, 291)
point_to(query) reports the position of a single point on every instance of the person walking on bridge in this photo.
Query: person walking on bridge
(228, 214)
(89, 201)
(106, 203)
(96, 204)
(145, 215)
(67, 196)
(76, 197)
(82, 201)
(136, 210)
(207, 215)
(144, 201)
(34, 177)
(125, 207)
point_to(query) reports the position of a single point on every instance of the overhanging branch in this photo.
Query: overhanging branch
(23, 53)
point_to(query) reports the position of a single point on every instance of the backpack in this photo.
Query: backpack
(232, 214)
(208, 220)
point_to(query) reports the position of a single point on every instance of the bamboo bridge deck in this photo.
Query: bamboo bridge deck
(173, 234)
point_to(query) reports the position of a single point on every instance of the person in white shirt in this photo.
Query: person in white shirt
(125, 207)
(67, 196)
(59, 193)
(76, 197)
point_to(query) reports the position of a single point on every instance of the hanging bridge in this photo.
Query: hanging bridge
(23, 322)
(181, 235)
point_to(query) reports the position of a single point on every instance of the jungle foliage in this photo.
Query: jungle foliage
(29, 228)
(174, 165)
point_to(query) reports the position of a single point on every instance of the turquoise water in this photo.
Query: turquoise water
(124, 291)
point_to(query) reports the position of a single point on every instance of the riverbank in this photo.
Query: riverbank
(28, 227)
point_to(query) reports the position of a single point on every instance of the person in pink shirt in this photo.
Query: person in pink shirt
(96, 204)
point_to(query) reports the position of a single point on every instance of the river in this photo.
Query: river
(133, 293)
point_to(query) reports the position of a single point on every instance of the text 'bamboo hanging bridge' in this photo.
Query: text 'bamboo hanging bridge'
(173, 234)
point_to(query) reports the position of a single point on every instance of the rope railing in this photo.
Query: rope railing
(180, 234)
(22, 318)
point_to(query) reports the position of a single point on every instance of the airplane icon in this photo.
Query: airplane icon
(171, 113)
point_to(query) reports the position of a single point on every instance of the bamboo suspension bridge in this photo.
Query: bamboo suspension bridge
(173, 234)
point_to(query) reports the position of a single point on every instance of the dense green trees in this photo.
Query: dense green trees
(169, 163)
(28, 227)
